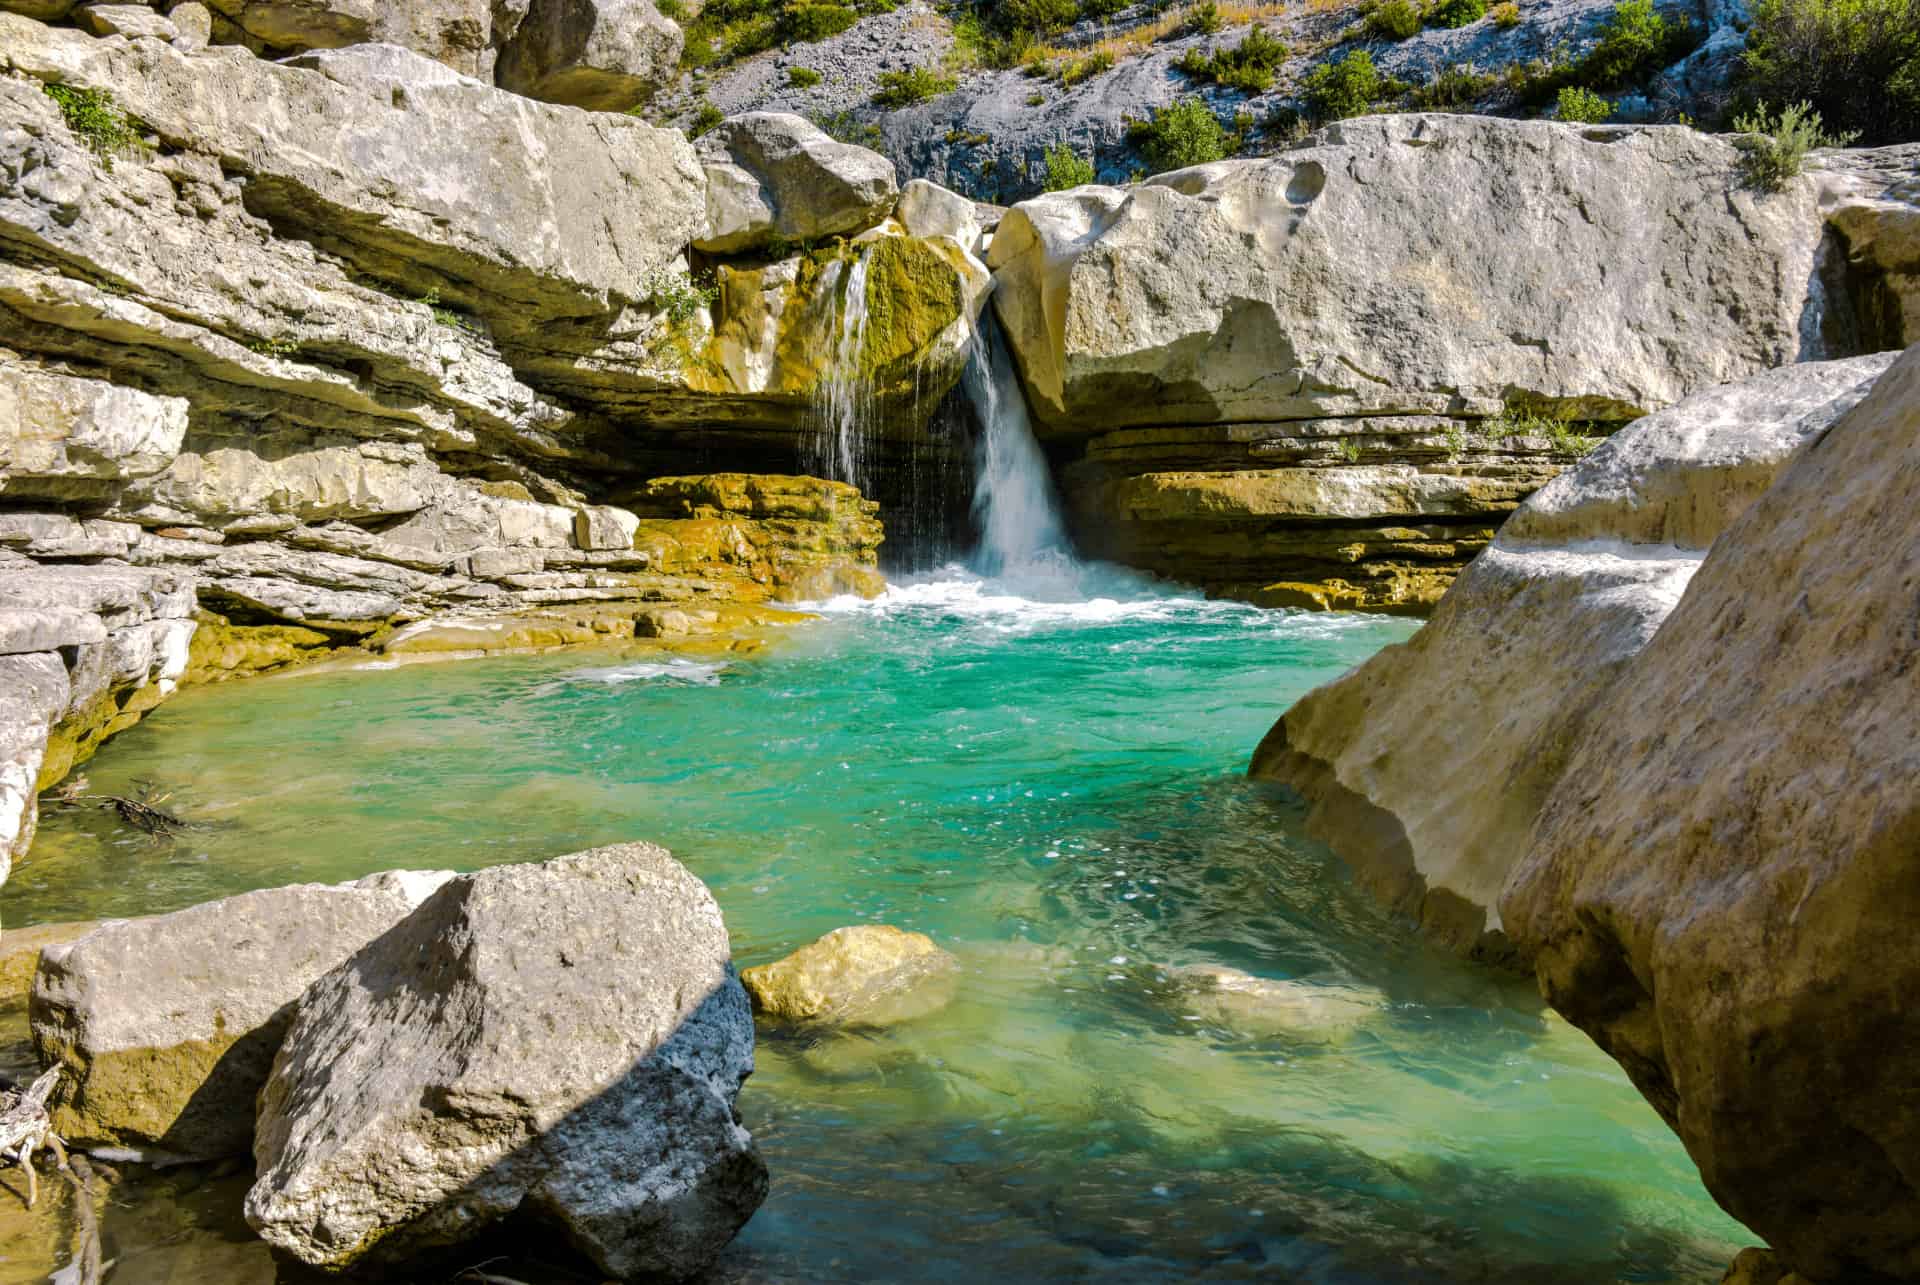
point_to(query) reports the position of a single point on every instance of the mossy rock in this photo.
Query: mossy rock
(222, 650)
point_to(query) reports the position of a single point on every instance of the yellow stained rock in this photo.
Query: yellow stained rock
(868, 974)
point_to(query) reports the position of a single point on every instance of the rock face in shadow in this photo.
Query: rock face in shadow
(1427, 765)
(1722, 885)
(563, 1041)
(167, 1026)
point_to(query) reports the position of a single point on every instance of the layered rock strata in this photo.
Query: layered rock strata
(1427, 766)
(327, 353)
(1334, 370)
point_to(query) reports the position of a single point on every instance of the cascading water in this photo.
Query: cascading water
(845, 408)
(1015, 505)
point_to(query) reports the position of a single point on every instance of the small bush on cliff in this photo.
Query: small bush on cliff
(1856, 62)
(1583, 107)
(1043, 17)
(1635, 42)
(1453, 88)
(1775, 146)
(806, 23)
(1505, 16)
(1185, 133)
(1456, 13)
(1349, 87)
(1394, 20)
(802, 77)
(1065, 168)
(676, 296)
(1248, 67)
(96, 120)
(848, 128)
(915, 85)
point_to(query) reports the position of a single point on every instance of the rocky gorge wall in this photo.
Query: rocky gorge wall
(311, 355)
(1322, 379)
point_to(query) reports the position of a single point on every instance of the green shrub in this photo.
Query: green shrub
(1065, 168)
(1454, 87)
(1634, 43)
(1775, 146)
(674, 295)
(916, 85)
(1248, 66)
(96, 120)
(806, 23)
(1583, 107)
(1204, 19)
(1505, 16)
(1044, 17)
(1348, 87)
(1185, 133)
(1075, 70)
(1856, 62)
(1394, 20)
(848, 128)
(673, 9)
(1100, 10)
(705, 117)
(802, 77)
(1456, 13)
(1036, 99)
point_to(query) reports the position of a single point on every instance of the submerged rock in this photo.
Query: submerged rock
(864, 975)
(168, 1025)
(1266, 1006)
(1427, 766)
(1721, 888)
(564, 1041)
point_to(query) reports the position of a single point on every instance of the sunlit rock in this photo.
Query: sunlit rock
(167, 1025)
(865, 975)
(563, 1041)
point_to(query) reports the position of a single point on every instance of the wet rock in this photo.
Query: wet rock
(771, 174)
(1268, 1007)
(563, 1040)
(168, 1025)
(1501, 685)
(1721, 887)
(865, 975)
(603, 55)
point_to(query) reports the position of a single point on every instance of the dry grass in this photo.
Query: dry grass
(1055, 63)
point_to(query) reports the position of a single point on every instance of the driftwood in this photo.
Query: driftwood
(142, 813)
(26, 1128)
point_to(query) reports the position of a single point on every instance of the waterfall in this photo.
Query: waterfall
(845, 405)
(1014, 502)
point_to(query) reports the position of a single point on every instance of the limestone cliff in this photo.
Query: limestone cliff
(1721, 888)
(1322, 378)
(1427, 766)
(328, 352)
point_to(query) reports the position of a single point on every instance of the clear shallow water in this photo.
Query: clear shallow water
(1047, 778)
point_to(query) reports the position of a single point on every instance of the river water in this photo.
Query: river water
(1044, 773)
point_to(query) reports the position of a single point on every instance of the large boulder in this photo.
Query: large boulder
(776, 175)
(563, 1040)
(603, 55)
(1411, 263)
(1492, 696)
(1722, 888)
(167, 1026)
(453, 32)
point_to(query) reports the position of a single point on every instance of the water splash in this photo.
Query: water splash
(1015, 504)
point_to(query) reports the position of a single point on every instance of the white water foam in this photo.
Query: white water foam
(646, 671)
(1014, 503)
